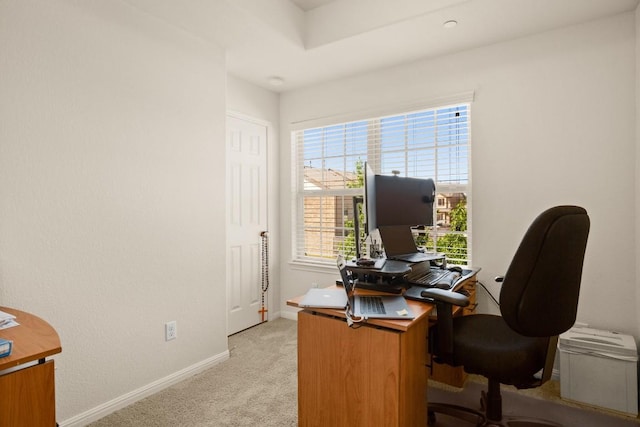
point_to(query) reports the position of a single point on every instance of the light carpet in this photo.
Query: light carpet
(257, 385)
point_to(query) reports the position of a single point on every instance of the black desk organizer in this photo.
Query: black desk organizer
(389, 278)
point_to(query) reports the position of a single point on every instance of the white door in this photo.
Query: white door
(247, 219)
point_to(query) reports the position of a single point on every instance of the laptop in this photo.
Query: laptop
(399, 244)
(372, 306)
(324, 298)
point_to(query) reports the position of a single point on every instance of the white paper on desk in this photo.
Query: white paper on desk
(9, 324)
(4, 315)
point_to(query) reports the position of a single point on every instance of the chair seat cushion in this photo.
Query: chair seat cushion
(485, 345)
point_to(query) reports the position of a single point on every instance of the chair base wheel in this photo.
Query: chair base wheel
(431, 418)
(480, 420)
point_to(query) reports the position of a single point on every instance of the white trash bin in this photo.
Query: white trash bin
(599, 368)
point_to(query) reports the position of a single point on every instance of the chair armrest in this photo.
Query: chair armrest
(441, 336)
(446, 296)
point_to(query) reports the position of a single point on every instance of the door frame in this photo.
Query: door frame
(269, 299)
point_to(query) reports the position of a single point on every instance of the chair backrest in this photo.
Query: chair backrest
(539, 295)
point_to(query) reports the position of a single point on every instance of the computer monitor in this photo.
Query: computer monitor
(395, 200)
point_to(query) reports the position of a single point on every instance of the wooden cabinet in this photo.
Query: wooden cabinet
(360, 377)
(374, 373)
(470, 286)
(27, 381)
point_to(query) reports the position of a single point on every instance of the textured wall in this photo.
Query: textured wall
(111, 191)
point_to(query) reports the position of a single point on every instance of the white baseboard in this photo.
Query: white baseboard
(274, 315)
(139, 394)
(291, 315)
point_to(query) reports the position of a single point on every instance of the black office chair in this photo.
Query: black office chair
(538, 301)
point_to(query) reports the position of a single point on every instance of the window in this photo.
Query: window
(329, 170)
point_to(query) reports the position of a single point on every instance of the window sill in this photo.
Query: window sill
(319, 267)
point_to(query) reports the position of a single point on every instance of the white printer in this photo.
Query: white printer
(599, 368)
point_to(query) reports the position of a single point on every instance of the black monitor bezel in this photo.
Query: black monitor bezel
(394, 200)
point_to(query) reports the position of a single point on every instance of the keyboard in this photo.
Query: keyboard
(443, 279)
(371, 305)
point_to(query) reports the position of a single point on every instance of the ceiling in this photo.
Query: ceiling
(303, 42)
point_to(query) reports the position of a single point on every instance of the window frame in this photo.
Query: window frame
(298, 172)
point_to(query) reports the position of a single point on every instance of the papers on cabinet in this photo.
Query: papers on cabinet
(7, 320)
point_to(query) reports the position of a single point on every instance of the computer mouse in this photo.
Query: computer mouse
(455, 268)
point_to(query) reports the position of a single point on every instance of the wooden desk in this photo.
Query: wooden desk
(372, 375)
(27, 384)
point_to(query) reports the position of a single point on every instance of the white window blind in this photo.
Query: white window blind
(329, 170)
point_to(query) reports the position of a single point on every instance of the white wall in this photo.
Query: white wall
(552, 123)
(253, 102)
(111, 177)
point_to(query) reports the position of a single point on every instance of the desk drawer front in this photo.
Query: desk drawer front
(28, 397)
